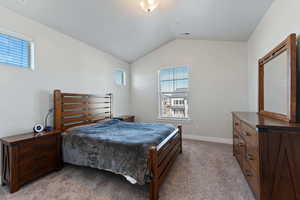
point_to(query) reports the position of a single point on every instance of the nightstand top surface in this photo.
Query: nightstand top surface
(26, 136)
(124, 116)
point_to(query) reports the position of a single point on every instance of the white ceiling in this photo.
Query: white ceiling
(121, 28)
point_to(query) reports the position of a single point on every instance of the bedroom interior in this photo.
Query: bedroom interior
(149, 99)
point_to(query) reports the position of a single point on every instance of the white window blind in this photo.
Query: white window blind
(173, 93)
(14, 51)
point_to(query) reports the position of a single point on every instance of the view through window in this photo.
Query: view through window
(173, 88)
(120, 77)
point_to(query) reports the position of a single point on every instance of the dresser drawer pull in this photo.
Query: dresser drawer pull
(248, 173)
(247, 134)
(250, 156)
(241, 144)
(236, 124)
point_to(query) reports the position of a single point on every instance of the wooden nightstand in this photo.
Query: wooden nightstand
(126, 118)
(26, 157)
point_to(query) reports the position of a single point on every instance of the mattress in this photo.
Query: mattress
(116, 146)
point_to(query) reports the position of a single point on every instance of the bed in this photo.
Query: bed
(142, 153)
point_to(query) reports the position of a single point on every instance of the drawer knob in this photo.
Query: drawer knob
(236, 123)
(248, 173)
(241, 144)
(246, 133)
(250, 156)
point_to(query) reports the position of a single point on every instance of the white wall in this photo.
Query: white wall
(61, 63)
(218, 75)
(281, 19)
(218, 83)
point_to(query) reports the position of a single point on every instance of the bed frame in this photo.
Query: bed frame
(72, 110)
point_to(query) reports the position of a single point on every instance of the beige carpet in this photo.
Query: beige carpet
(205, 171)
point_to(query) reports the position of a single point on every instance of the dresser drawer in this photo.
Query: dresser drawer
(241, 151)
(235, 145)
(236, 124)
(36, 146)
(249, 134)
(252, 177)
(252, 156)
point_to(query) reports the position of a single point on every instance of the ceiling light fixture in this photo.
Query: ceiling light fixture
(149, 5)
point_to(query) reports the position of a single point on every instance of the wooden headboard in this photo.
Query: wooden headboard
(71, 109)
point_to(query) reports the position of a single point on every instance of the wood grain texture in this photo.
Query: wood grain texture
(161, 159)
(73, 109)
(268, 153)
(26, 157)
(289, 45)
(57, 109)
(281, 153)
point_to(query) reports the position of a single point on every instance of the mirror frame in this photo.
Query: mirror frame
(290, 46)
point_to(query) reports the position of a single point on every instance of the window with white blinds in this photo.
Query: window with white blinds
(15, 51)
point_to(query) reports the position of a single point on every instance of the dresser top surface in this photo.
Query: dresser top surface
(258, 121)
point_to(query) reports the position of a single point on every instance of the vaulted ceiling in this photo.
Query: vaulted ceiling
(122, 29)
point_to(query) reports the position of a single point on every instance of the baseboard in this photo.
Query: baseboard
(208, 139)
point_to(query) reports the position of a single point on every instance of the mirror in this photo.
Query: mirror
(276, 85)
(278, 81)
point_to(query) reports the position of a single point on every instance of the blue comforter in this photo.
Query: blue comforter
(114, 145)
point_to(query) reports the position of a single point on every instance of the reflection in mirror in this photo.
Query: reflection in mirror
(276, 85)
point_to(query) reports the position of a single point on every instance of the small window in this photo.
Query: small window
(15, 51)
(120, 77)
(173, 93)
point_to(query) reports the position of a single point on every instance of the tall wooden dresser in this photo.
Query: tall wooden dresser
(268, 152)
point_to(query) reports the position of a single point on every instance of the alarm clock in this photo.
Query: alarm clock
(38, 128)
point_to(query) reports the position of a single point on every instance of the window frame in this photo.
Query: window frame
(188, 118)
(31, 50)
(124, 77)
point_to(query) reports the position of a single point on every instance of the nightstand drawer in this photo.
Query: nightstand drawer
(36, 146)
(33, 167)
(26, 162)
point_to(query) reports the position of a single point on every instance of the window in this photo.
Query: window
(173, 93)
(15, 51)
(120, 77)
